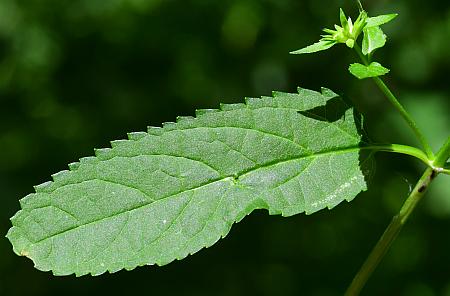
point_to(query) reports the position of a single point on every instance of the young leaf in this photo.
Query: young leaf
(318, 46)
(344, 22)
(172, 191)
(380, 20)
(373, 38)
(373, 70)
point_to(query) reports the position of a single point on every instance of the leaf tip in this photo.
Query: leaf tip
(201, 112)
(276, 94)
(60, 175)
(44, 187)
(73, 166)
(88, 160)
(231, 107)
(299, 51)
(136, 136)
(114, 144)
(300, 89)
(154, 131)
(185, 121)
(251, 102)
(328, 93)
(25, 253)
(102, 153)
(169, 126)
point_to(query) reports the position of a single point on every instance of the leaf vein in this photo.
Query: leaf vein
(212, 181)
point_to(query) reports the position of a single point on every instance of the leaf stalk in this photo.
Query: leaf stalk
(402, 149)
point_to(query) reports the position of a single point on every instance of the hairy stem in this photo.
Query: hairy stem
(398, 221)
(393, 100)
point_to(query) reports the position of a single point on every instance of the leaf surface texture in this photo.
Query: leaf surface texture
(374, 69)
(169, 192)
(318, 46)
(374, 38)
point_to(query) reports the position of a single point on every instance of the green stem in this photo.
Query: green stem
(393, 100)
(402, 149)
(398, 221)
(360, 54)
(443, 155)
(382, 86)
(389, 235)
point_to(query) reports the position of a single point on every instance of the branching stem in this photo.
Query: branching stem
(443, 155)
(398, 221)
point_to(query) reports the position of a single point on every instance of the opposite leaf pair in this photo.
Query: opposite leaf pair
(348, 33)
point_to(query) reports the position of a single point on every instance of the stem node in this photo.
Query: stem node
(398, 221)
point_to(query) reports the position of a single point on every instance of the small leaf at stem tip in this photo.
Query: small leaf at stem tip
(373, 70)
(344, 21)
(350, 43)
(380, 20)
(318, 46)
(374, 38)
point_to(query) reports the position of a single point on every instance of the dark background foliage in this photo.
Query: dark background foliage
(75, 74)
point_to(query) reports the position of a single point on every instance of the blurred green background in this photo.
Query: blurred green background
(76, 74)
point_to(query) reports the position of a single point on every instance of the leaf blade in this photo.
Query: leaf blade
(318, 46)
(374, 38)
(373, 70)
(165, 194)
(380, 20)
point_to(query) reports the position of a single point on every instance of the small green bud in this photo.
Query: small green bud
(350, 43)
(349, 31)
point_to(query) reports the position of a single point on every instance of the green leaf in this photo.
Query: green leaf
(169, 192)
(373, 38)
(318, 46)
(380, 20)
(373, 70)
(344, 21)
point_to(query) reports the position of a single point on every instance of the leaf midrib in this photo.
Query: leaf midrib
(231, 177)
